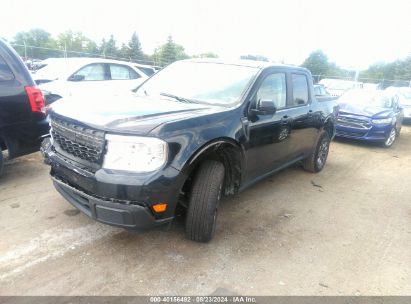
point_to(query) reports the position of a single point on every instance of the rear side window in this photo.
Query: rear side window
(122, 72)
(5, 73)
(300, 90)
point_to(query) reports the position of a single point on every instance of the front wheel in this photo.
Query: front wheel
(204, 199)
(318, 157)
(391, 138)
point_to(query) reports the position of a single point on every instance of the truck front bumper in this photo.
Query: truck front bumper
(129, 216)
(115, 198)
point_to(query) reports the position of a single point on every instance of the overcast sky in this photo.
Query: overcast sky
(353, 33)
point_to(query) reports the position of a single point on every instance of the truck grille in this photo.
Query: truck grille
(350, 134)
(77, 140)
(353, 122)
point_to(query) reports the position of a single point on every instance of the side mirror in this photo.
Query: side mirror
(264, 107)
(77, 77)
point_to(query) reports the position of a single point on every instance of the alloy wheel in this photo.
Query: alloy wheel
(322, 153)
(391, 138)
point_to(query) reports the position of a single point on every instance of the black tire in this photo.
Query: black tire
(318, 157)
(392, 136)
(204, 199)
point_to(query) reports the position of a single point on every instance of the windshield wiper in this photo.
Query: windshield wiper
(178, 98)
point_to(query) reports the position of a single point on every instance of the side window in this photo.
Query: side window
(91, 72)
(300, 90)
(147, 71)
(5, 73)
(274, 88)
(122, 72)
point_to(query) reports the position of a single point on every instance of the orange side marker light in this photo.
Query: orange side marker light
(161, 207)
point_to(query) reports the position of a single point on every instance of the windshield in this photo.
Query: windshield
(367, 98)
(202, 82)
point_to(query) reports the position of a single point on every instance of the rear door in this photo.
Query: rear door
(300, 115)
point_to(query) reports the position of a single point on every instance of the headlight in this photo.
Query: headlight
(383, 121)
(133, 153)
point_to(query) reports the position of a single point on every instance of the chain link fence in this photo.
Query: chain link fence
(381, 83)
(34, 54)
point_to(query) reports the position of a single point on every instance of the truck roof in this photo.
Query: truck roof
(248, 63)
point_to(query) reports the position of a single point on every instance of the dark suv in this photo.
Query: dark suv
(22, 120)
(196, 130)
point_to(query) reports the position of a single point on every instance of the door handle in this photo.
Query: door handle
(285, 120)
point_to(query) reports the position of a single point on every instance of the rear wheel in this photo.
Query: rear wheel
(204, 200)
(318, 157)
(391, 138)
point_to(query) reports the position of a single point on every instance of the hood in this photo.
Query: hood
(364, 110)
(127, 112)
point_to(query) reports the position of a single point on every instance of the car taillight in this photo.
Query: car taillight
(36, 99)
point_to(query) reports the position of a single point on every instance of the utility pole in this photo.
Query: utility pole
(65, 50)
(357, 73)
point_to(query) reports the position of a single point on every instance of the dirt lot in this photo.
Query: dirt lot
(345, 231)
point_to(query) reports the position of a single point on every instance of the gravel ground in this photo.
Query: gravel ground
(344, 231)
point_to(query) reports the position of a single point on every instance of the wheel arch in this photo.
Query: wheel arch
(329, 126)
(225, 150)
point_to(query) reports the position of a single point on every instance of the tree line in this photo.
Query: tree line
(39, 44)
(397, 73)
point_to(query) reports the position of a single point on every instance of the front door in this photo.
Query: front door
(268, 139)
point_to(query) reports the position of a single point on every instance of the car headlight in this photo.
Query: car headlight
(134, 153)
(382, 121)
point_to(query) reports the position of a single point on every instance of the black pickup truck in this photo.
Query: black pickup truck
(195, 131)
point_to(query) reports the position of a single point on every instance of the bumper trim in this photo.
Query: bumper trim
(116, 214)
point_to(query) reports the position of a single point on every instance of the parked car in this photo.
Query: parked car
(337, 87)
(22, 119)
(65, 77)
(321, 93)
(196, 130)
(404, 95)
(370, 115)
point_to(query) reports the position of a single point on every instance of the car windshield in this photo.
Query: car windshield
(367, 98)
(201, 82)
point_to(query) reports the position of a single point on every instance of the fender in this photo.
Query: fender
(234, 163)
(330, 120)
